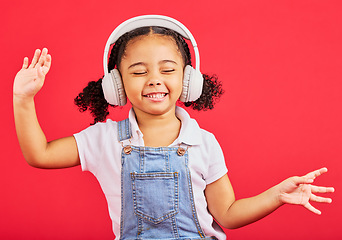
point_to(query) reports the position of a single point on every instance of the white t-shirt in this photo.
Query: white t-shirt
(100, 153)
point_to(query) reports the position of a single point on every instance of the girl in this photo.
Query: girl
(163, 176)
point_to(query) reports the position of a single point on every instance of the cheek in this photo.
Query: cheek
(179, 83)
(130, 88)
(133, 89)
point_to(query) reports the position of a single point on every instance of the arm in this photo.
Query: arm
(231, 213)
(37, 151)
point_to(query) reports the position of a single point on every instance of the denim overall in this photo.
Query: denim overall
(156, 192)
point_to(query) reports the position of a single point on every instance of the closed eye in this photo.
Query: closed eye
(139, 73)
(168, 71)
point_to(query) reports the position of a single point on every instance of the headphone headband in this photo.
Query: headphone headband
(149, 21)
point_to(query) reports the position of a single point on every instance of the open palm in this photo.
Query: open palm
(30, 79)
(298, 190)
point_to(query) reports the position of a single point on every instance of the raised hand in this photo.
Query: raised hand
(298, 190)
(30, 79)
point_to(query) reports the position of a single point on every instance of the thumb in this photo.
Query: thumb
(41, 76)
(40, 72)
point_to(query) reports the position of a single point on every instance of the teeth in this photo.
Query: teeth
(157, 95)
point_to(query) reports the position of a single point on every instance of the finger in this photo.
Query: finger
(316, 173)
(312, 209)
(25, 62)
(319, 199)
(317, 189)
(301, 180)
(35, 58)
(42, 57)
(47, 62)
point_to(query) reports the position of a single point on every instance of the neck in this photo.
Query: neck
(147, 120)
(158, 130)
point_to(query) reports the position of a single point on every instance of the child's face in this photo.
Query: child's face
(152, 74)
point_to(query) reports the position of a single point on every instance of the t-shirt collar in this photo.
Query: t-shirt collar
(190, 133)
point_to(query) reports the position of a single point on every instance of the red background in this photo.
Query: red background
(280, 63)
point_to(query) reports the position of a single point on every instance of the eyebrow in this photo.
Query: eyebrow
(144, 64)
(136, 64)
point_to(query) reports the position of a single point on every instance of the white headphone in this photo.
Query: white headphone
(112, 85)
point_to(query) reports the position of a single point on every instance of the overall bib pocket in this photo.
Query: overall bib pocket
(155, 195)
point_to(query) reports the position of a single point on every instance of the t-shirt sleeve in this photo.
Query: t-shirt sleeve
(91, 144)
(217, 166)
(85, 143)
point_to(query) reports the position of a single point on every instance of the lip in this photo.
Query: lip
(155, 96)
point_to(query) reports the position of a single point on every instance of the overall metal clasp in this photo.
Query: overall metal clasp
(181, 151)
(127, 149)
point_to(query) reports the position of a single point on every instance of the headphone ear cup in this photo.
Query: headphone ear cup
(192, 84)
(113, 89)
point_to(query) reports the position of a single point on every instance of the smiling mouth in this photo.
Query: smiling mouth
(155, 95)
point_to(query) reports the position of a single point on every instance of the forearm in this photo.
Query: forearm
(31, 138)
(245, 211)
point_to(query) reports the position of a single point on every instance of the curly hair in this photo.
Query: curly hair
(92, 97)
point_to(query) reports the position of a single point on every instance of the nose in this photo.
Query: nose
(154, 80)
(154, 83)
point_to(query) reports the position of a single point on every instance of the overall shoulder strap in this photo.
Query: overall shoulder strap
(124, 130)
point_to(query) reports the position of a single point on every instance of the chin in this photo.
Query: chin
(159, 111)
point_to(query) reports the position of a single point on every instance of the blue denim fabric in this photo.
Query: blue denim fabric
(156, 193)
